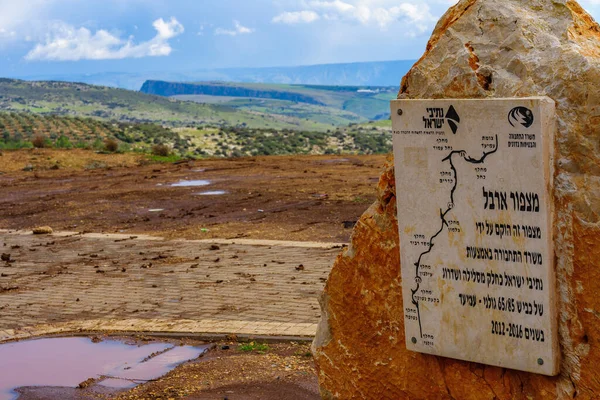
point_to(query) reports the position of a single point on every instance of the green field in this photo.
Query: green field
(343, 103)
(119, 105)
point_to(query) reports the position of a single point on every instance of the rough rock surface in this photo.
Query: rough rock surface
(42, 230)
(481, 48)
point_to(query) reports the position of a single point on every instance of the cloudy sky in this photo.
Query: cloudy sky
(90, 36)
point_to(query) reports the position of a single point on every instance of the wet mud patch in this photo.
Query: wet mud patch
(193, 183)
(119, 200)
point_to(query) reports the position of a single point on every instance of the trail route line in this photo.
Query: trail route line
(443, 214)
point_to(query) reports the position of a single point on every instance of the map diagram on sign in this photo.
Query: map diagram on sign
(444, 224)
(473, 180)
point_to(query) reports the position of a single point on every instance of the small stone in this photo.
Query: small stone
(28, 168)
(349, 224)
(214, 247)
(300, 267)
(5, 257)
(87, 383)
(42, 230)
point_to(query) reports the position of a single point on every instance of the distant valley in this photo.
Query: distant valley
(326, 104)
(197, 120)
(110, 104)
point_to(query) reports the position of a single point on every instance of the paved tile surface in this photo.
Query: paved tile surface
(69, 282)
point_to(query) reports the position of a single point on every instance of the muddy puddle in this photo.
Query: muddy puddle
(334, 161)
(211, 193)
(67, 362)
(183, 183)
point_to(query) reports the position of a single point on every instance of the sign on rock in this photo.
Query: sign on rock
(473, 186)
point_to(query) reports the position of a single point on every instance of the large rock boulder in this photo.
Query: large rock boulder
(481, 48)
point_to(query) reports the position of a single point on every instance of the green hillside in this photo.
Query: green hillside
(362, 102)
(26, 130)
(22, 130)
(311, 120)
(124, 106)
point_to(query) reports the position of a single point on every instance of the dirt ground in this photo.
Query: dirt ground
(283, 371)
(230, 370)
(316, 198)
(295, 198)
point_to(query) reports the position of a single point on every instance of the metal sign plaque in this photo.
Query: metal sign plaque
(474, 195)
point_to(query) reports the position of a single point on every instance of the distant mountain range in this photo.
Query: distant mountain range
(379, 73)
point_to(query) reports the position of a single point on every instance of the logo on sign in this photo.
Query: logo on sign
(437, 117)
(453, 119)
(520, 116)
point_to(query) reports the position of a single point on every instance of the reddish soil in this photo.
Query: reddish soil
(284, 371)
(303, 198)
(314, 198)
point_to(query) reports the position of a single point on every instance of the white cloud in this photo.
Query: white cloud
(67, 43)
(380, 13)
(7, 34)
(15, 15)
(336, 5)
(239, 30)
(296, 17)
(168, 30)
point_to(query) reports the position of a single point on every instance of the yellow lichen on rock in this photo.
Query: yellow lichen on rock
(42, 230)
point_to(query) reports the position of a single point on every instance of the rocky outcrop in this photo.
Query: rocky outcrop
(479, 49)
(161, 88)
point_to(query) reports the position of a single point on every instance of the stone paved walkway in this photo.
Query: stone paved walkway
(69, 282)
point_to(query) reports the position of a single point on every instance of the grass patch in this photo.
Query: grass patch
(306, 354)
(260, 348)
(164, 159)
(360, 200)
(95, 164)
